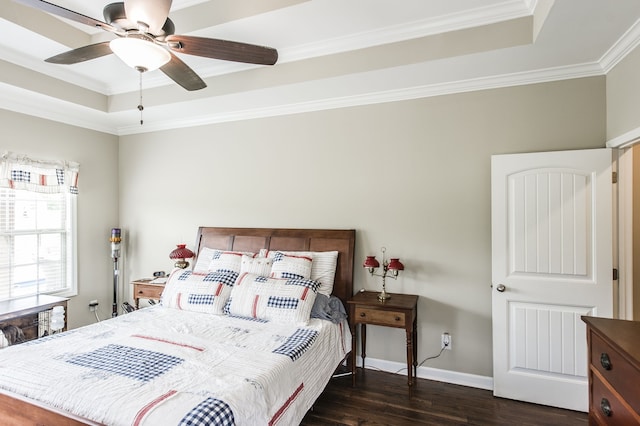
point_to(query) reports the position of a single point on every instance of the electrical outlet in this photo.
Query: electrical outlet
(445, 341)
(93, 305)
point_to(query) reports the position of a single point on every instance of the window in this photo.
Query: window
(37, 228)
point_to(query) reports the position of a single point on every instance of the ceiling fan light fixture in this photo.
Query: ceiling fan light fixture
(156, 41)
(140, 54)
(149, 14)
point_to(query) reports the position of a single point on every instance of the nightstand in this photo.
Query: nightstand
(145, 289)
(400, 311)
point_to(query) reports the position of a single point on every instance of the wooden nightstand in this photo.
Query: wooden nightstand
(400, 311)
(144, 289)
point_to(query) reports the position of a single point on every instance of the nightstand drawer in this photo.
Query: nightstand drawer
(378, 317)
(148, 291)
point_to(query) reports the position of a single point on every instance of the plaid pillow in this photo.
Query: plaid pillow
(273, 299)
(291, 266)
(200, 293)
(206, 256)
(323, 266)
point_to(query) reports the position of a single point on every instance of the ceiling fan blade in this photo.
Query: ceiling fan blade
(151, 13)
(223, 49)
(66, 13)
(81, 54)
(180, 72)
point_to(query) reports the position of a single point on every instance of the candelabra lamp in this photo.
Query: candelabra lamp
(390, 269)
(180, 254)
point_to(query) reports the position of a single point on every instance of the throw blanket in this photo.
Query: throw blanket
(163, 366)
(328, 308)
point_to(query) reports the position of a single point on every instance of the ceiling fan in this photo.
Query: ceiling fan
(146, 41)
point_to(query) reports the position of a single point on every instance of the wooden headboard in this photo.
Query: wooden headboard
(254, 239)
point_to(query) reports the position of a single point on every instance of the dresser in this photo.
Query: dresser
(614, 371)
(31, 314)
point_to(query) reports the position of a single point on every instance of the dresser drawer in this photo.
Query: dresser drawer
(616, 370)
(148, 291)
(379, 317)
(607, 408)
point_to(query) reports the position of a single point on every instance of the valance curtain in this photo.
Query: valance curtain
(21, 172)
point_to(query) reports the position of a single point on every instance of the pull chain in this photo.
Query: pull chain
(140, 107)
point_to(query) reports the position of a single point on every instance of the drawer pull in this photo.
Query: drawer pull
(606, 407)
(398, 318)
(605, 361)
(362, 314)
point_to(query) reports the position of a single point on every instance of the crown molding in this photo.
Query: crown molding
(18, 58)
(482, 16)
(36, 104)
(625, 45)
(401, 94)
(39, 105)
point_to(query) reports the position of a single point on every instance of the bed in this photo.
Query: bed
(255, 359)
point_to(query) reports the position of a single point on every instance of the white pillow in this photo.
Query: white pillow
(206, 256)
(273, 299)
(227, 261)
(291, 266)
(208, 293)
(203, 260)
(323, 266)
(256, 265)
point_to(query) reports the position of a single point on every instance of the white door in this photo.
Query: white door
(552, 251)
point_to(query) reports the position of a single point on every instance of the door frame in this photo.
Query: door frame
(624, 237)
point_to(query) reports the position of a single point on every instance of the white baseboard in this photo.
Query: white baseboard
(447, 376)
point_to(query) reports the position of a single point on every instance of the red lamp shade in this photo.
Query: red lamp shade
(180, 254)
(371, 262)
(395, 265)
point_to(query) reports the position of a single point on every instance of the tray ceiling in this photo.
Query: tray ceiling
(332, 54)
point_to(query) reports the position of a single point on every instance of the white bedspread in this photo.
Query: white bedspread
(160, 366)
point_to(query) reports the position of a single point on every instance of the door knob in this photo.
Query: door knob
(501, 288)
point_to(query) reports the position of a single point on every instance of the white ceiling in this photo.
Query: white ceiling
(332, 53)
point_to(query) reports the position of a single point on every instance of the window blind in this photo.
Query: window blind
(37, 226)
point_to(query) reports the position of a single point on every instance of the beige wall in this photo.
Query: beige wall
(412, 176)
(97, 154)
(623, 95)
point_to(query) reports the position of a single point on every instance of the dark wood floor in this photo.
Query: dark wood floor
(384, 399)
